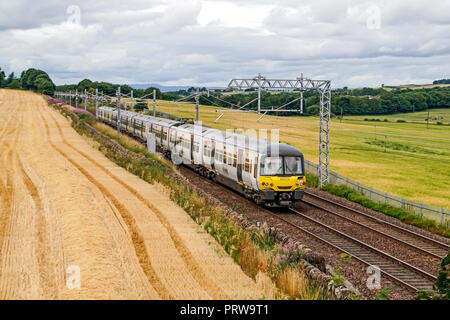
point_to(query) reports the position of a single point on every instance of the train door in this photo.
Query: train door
(240, 164)
(192, 148)
(213, 152)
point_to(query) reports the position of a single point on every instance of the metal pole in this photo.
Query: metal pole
(197, 100)
(324, 135)
(342, 113)
(76, 99)
(154, 102)
(259, 93)
(132, 101)
(96, 103)
(118, 109)
(70, 97)
(428, 118)
(301, 101)
(85, 99)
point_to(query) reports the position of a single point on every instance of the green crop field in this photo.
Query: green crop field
(406, 159)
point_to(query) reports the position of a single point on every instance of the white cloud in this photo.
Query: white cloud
(208, 42)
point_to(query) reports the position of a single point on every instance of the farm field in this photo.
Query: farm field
(65, 207)
(436, 115)
(405, 159)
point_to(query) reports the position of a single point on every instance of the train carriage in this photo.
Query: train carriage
(270, 173)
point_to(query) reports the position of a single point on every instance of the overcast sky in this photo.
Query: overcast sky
(195, 42)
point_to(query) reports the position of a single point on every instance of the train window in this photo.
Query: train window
(235, 160)
(219, 156)
(196, 147)
(164, 136)
(247, 165)
(293, 165)
(272, 166)
(185, 143)
(255, 169)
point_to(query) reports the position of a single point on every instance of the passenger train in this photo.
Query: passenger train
(272, 174)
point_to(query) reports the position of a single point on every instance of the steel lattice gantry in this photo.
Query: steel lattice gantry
(300, 84)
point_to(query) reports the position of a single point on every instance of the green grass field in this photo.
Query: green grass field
(436, 115)
(405, 159)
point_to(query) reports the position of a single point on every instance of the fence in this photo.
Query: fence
(441, 215)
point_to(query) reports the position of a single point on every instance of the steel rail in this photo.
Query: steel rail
(390, 224)
(374, 230)
(378, 252)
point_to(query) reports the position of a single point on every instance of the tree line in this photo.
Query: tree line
(110, 89)
(31, 79)
(442, 81)
(365, 101)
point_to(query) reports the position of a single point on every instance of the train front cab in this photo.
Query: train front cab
(282, 179)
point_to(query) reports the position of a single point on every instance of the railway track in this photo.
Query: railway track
(396, 270)
(403, 236)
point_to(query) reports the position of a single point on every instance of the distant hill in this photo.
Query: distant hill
(417, 86)
(442, 81)
(160, 87)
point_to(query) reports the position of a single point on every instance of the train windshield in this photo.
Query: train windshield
(273, 166)
(293, 165)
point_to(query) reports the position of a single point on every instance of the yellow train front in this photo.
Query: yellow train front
(281, 177)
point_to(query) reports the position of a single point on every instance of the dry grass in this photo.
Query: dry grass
(295, 283)
(127, 141)
(252, 258)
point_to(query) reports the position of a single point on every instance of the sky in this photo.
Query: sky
(208, 42)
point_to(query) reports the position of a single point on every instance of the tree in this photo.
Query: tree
(10, 79)
(2, 78)
(149, 92)
(15, 84)
(84, 84)
(39, 81)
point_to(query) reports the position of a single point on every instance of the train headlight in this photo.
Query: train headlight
(271, 184)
